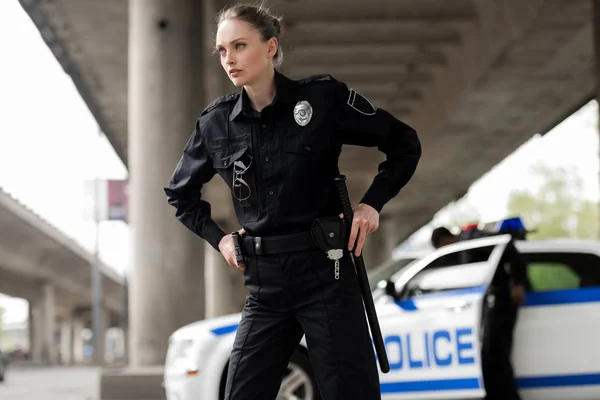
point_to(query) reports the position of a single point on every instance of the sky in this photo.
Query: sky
(50, 145)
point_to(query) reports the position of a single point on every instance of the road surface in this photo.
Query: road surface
(50, 383)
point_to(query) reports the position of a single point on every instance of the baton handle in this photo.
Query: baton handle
(363, 280)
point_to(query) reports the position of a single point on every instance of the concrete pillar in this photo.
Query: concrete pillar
(165, 98)
(118, 343)
(225, 291)
(99, 357)
(30, 328)
(381, 243)
(66, 341)
(41, 314)
(77, 340)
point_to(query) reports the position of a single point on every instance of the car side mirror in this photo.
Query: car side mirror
(390, 289)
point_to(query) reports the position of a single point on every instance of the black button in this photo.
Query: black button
(271, 192)
(264, 125)
(307, 148)
(267, 159)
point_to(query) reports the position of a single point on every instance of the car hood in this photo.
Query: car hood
(218, 326)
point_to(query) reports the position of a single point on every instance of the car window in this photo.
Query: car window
(559, 271)
(387, 271)
(476, 255)
(459, 270)
(551, 276)
(441, 279)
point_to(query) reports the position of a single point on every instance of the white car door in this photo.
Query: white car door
(431, 330)
(556, 354)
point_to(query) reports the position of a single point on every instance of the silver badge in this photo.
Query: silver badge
(303, 113)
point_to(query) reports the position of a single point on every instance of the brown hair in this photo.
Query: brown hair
(261, 19)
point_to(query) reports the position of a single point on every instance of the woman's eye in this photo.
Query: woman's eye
(240, 45)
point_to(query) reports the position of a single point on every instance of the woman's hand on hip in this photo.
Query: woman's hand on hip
(227, 249)
(365, 222)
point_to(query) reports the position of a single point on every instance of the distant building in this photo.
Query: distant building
(14, 336)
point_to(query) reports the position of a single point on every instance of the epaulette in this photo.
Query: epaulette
(317, 78)
(220, 100)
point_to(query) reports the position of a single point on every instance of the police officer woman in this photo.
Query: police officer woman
(276, 144)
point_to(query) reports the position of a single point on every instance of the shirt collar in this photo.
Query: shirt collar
(284, 93)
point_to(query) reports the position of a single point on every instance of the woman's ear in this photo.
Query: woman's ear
(273, 46)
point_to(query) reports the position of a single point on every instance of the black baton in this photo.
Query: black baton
(363, 280)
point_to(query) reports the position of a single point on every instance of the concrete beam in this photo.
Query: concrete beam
(482, 43)
(323, 54)
(343, 10)
(348, 75)
(20, 264)
(14, 285)
(373, 32)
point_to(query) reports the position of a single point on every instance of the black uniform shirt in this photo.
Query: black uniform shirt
(291, 176)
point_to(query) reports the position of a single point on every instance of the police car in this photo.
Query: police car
(430, 317)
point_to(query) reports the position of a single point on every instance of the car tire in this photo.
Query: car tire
(2, 370)
(302, 371)
(300, 364)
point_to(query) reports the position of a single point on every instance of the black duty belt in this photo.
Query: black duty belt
(257, 246)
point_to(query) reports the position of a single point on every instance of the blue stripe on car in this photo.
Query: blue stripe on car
(224, 330)
(532, 299)
(568, 296)
(530, 382)
(427, 386)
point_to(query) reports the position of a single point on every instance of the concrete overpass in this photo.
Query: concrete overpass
(475, 78)
(52, 272)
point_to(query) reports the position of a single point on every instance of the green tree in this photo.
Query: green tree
(557, 208)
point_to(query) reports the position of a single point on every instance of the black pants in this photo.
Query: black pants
(294, 294)
(498, 374)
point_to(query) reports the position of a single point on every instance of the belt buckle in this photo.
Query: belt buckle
(258, 245)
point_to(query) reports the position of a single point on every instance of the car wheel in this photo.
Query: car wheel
(298, 381)
(2, 368)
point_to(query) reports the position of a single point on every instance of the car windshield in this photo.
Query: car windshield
(440, 279)
(388, 269)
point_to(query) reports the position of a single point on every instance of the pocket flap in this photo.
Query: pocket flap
(329, 233)
(224, 159)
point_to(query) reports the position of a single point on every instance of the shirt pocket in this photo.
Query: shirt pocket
(309, 165)
(224, 155)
